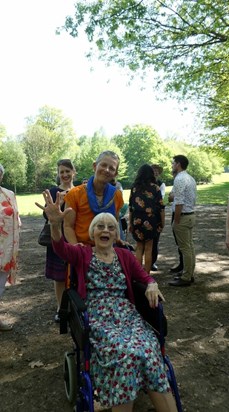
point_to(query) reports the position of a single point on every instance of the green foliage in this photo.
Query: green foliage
(14, 161)
(2, 131)
(139, 144)
(30, 160)
(186, 42)
(49, 136)
(200, 166)
(90, 148)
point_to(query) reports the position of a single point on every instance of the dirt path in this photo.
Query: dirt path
(31, 377)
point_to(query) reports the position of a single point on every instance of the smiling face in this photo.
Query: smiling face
(104, 230)
(105, 233)
(106, 169)
(66, 175)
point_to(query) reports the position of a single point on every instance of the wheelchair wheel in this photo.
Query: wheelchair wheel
(70, 378)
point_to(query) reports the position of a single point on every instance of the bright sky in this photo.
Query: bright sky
(40, 68)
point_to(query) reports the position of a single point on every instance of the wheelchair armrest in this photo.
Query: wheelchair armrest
(80, 304)
(154, 316)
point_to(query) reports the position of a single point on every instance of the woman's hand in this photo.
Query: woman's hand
(171, 197)
(52, 209)
(153, 293)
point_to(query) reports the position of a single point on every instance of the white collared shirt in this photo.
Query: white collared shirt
(184, 189)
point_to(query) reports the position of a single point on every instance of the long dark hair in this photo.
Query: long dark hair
(145, 176)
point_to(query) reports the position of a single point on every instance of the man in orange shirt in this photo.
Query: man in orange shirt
(97, 196)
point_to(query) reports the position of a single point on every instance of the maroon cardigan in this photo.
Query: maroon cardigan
(80, 256)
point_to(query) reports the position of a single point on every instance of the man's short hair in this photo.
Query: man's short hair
(108, 153)
(183, 160)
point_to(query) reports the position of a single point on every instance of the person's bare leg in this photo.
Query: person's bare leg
(163, 402)
(139, 251)
(4, 326)
(126, 407)
(148, 255)
(59, 287)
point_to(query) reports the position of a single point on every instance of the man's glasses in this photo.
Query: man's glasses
(110, 228)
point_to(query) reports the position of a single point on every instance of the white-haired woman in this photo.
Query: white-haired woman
(9, 240)
(126, 356)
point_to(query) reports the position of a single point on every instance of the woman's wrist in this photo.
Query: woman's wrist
(152, 285)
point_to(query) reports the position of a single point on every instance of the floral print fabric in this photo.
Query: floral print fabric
(146, 207)
(9, 234)
(126, 355)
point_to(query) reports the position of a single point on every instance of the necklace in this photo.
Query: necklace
(106, 257)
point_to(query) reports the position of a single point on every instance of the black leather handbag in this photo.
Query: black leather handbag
(44, 238)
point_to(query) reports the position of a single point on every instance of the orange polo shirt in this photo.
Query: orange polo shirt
(77, 199)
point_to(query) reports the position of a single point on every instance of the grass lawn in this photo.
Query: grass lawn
(212, 193)
(26, 204)
(215, 193)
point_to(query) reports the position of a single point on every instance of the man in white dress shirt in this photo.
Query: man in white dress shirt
(184, 189)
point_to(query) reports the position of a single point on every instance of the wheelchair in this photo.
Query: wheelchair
(74, 316)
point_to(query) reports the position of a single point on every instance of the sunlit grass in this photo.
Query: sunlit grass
(26, 204)
(215, 193)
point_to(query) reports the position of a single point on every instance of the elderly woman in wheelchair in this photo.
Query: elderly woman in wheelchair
(125, 354)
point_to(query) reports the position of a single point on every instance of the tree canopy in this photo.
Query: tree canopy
(186, 42)
(49, 136)
(30, 160)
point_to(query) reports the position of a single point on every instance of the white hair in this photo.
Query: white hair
(101, 217)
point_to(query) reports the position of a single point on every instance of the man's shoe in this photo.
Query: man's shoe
(5, 327)
(57, 317)
(177, 269)
(154, 268)
(180, 282)
(178, 276)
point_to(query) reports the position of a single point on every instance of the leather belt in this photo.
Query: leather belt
(189, 213)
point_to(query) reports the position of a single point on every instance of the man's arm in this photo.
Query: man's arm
(178, 210)
(69, 226)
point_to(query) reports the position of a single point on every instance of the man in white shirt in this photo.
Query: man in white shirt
(184, 189)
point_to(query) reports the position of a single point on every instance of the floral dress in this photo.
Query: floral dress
(9, 234)
(145, 207)
(126, 355)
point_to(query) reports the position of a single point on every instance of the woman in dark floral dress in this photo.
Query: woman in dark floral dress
(125, 353)
(146, 213)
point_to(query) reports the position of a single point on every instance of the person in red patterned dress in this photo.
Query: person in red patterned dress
(9, 240)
